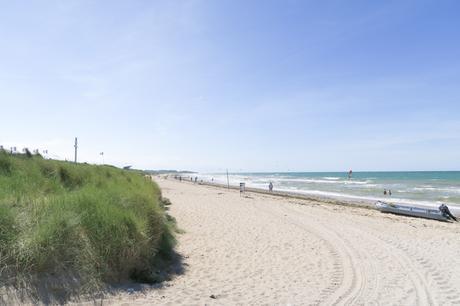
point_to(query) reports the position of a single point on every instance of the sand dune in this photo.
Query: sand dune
(260, 249)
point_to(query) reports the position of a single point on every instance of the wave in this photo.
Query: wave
(331, 180)
(425, 188)
(439, 189)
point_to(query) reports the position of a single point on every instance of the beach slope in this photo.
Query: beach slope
(262, 249)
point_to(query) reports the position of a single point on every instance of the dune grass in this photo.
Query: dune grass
(94, 224)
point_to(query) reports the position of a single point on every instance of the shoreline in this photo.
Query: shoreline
(419, 189)
(283, 194)
(297, 195)
(333, 200)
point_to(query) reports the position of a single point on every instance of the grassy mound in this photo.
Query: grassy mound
(92, 224)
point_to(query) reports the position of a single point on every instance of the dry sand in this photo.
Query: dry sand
(262, 249)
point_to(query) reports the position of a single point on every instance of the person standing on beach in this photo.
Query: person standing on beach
(384, 192)
(389, 192)
(270, 187)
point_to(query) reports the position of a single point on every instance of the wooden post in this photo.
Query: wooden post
(228, 183)
(76, 147)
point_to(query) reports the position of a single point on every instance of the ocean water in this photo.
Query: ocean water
(427, 188)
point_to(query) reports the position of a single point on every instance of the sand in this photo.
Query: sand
(261, 249)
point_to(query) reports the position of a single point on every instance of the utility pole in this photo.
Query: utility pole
(228, 184)
(76, 147)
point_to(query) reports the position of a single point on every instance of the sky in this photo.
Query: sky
(245, 85)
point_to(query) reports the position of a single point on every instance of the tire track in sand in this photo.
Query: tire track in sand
(432, 277)
(358, 290)
(346, 280)
(356, 280)
(338, 273)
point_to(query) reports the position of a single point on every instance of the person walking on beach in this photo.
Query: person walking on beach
(389, 192)
(384, 192)
(196, 178)
(270, 187)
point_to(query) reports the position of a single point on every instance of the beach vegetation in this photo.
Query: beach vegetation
(92, 224)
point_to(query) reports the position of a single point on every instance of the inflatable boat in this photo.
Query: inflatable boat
(429, 213)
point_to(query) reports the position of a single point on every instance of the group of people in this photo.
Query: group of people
(192, 179)
(385, 192)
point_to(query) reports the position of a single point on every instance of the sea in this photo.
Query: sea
(420, 188)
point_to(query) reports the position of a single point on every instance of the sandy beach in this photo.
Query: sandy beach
(261, 249)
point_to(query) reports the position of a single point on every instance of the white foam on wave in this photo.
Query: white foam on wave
(351, 182)
(439, 189)
(305, 180)
(425, 188)
(336, 181)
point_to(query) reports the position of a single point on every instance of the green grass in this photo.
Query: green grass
(95, 224)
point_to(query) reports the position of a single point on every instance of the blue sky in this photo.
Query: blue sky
(244, 85)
